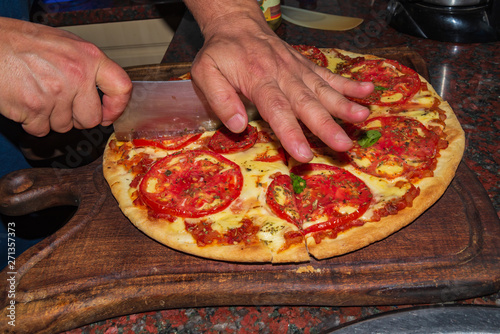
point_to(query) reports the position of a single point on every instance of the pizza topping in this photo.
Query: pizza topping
(313, 54)
(298, 183)
(394, 83)
(279, 155)
(393, 206)
(332, 195)
(167, 143)
(205, 235)
(369, 138)
(292, 238)
(404, 147)
(191, 184)
(331, 230)
(224, 141)
(327, 195)
(281, 199)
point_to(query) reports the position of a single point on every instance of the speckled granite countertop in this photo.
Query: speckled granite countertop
(466, 75)
(76, 12)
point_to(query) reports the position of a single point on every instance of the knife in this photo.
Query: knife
(169, 108)
(317, 20)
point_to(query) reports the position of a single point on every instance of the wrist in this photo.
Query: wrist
(217, 15)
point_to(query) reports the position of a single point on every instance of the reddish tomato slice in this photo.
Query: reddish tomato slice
(389, 77)
(168, 143)
(191, 184)
(328, 190)
(313, 54)
(406, 145)
(281, 199)
(225, 141)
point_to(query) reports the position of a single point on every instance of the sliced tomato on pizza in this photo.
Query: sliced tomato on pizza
(167, 143)
(329, 197)
(394, 83)
(224, 141)
(191, 184)
(313, 54)
(332, 196)
(404, 147)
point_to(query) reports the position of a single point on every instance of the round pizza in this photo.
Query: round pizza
(242, 198)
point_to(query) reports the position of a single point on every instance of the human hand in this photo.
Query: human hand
(49, 78)
(242, 54)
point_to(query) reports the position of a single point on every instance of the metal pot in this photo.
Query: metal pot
(455, 3)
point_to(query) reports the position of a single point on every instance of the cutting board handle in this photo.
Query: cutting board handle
(29, 190)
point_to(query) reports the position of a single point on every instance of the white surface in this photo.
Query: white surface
(129, 43)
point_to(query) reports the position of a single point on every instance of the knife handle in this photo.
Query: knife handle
(29, 190)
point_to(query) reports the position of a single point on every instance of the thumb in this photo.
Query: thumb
(115, 83)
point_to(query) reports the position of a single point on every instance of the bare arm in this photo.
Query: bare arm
(49, 76)
(242, 54)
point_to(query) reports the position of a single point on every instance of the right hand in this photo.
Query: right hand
(49, 78)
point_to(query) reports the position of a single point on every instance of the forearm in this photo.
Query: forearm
(214, 15)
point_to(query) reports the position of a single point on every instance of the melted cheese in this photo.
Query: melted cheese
(272, 231)
(364, 162)
(390, 167)
(391, 98)
(333, 62)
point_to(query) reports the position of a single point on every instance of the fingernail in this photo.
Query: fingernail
(342, 137)
(236, 123)
(305, 151)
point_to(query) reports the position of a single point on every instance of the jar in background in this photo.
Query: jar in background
(272, 12)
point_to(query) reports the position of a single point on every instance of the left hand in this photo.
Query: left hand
(284, 85)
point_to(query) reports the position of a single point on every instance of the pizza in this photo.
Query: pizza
(242, 198)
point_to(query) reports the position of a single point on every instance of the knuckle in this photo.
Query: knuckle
(304, 99)
(321, 88)
(220, 97)
(91, 49)
(276, 109)
(38, 126)
(36, 105)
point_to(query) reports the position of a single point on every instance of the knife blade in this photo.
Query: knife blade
(169, 108)
(318, 20)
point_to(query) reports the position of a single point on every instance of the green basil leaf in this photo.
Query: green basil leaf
(380, 88)
(369, 138)
(298, 183)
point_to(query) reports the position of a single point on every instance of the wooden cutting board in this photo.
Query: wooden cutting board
(100, 266)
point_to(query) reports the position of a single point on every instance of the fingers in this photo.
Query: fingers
(331, 90)
(86, 108)
(275, 108)
(80, 106)
(221, 96)
(114, 82)
(37, 126)
(314, 101)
